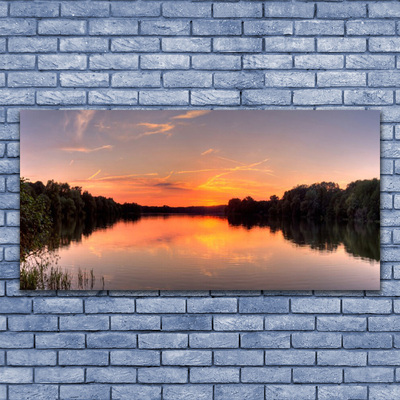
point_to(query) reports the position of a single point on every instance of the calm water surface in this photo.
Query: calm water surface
(183, 252)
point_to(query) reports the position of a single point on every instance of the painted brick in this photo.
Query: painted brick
(135, 44)
(260, 28)
(382, 10)
(36, 9)
(135, 322)
(60, 340)
(109, 96)
(32, 323)
(165, 28)
(237, 45)
(111, 340)
(84, 9)
(214, 340)
(187, 323)
(60, 375)
(214, 375)
(369, 62)
(184, 79)
(367, 306)
(113, 61)
(341, 323)
(325, 306)
(128, 392)
(342, 358)
(238, 10)
(162, 375)
(32, 391)
(238, 357)
(342, 392)
(83, 357)
(16, 375)
(260, 340)
(383, 357)
(263, 375)
(213, 97)
(367, 341)
(288, 10)
(368, 97)
(17, 26)
(289, 392)
(316, 340)
(163, 340)
(101, 306)
(186, 357)
(179, 9)
(365, 27)
(62, 61)
(113, 27)
(84, 322)
(179, 98)
(340, 45)
(31, 357)
(179, 392)
(83, 79)
(214, 61)
(234, 392)
(32, 79)
(289, 79)
(347, 10)
(61, 27)
(164, 61)
(135, 357)
(319, 61)
(318, 27)
(216, 27)
(368, 374)
(289, 323)
(241, 323)
(110, 375)
(17, 61)
(194, 45)
(64, 97)
(290, 357)
(92, 391)
(32, 44)
(317, 375)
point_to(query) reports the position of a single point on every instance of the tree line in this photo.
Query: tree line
(360, 201)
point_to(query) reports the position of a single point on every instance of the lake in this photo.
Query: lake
(183, 252)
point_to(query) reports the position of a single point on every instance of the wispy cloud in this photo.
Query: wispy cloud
(192, 114)
(95, 174)
(209, 151)
(71, 162)
(86, 149)
(155, 129)
(81, 122)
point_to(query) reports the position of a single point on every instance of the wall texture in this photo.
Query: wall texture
(199, 345)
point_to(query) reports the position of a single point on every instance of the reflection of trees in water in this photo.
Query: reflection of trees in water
(359, 240)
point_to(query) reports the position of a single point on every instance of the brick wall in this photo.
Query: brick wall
(199, 345)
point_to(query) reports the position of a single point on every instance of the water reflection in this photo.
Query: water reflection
(208, 252)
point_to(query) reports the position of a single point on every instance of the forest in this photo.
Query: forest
(360, 202)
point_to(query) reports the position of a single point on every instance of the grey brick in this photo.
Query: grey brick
(194, 45)
(368, 97)
(319, 61)
(113, 61)
(165, 28)
(92, 391)
(341, 45)
(240, 323)
(113, 27)
(180, 9)
(285, 45)
(317, 96)
(238, 357)
(318, 27)
(62, 61)
(153, 97)
(383, 357)
(237, 10)
(370, 61)
(83, 357)
(128, 392)
(365, 27)
(184, 392)
(34, 9)
(341, 323)
(33, 391)
(316, 340)
(111, 340)
(384, 10)
(343, 392)
(235, 392)
(346, 10)
(163, 340)
(260, 340)
(186, 79)
(237, 45)
(83, 79)
(61, 97)
(32, 323)
(214, 340)
(290, 79)
(214, 97)
(214, 375)
(114, 305)
(32, 79)
(85, 9)
(266, 96)
(367, 341)
(387, 44)
(60, 375)
(60, 340)
(342, 78)
(215, 61)
(110, 96)
(32, 45)
(17, 61)
(187, 323)
(289, 392)
(368, 374)
(31, 357)
(269, 27)
(317, 375)
(367, 306)
(135, 357)
(264, 375)
(289, 323)
(135, 322)
(16, 375)
(84, 322)
(288, 10)
(216, 27)
(263, 305)
(186, 357)
(87, 45)
(342, 358)
(290, 357)
(61, 27)
(111, 375)
(17, 26)
(162, 375)
(135, 44)
(164, 61)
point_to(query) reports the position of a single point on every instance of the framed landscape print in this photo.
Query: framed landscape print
(200, 200)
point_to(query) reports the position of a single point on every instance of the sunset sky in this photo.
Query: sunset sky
(197, 157)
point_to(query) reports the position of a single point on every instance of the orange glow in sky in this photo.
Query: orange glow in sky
(197, 157)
